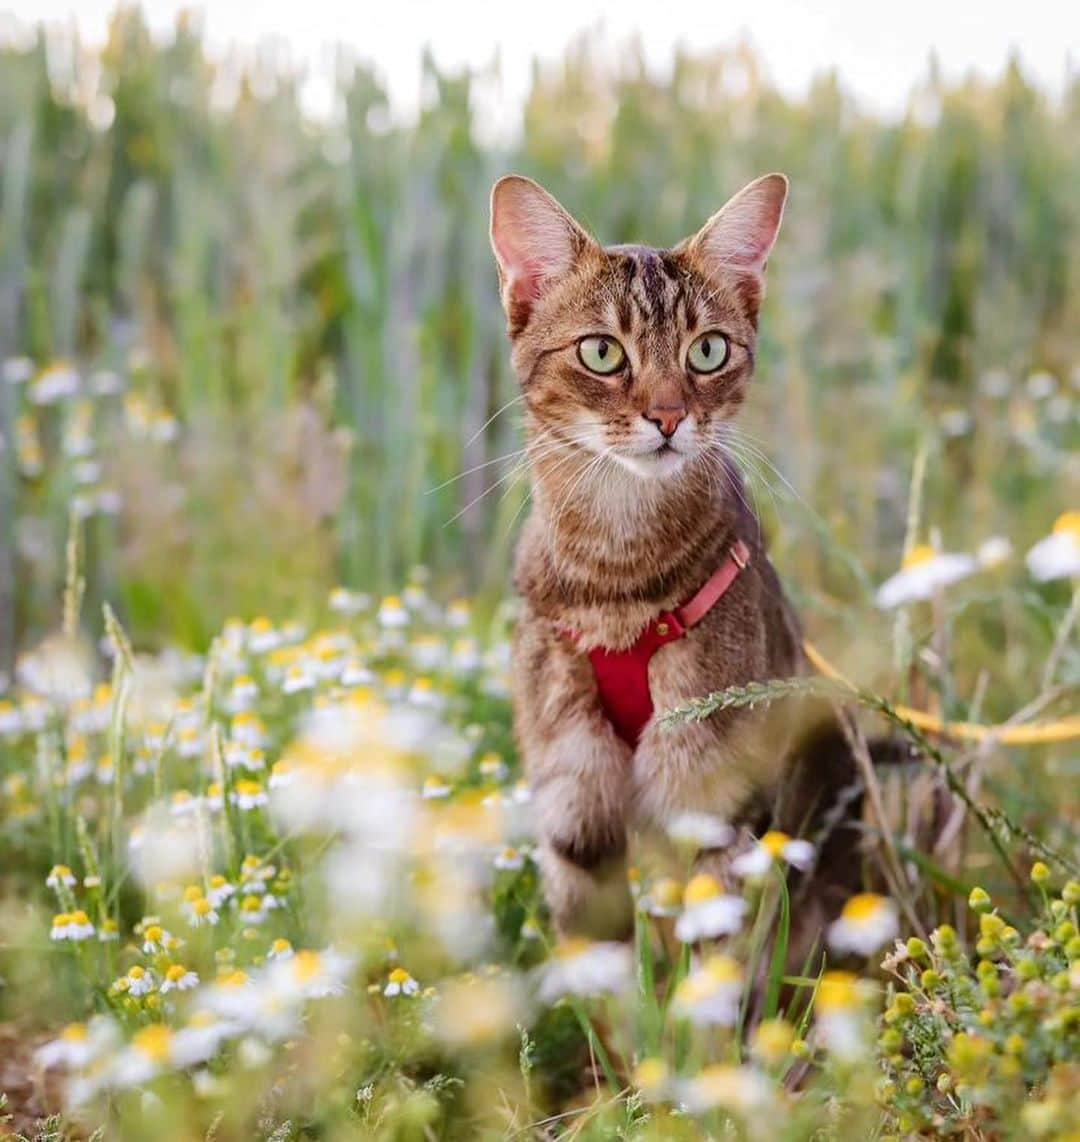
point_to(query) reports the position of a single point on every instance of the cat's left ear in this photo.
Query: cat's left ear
(536, 242)
(741, 234)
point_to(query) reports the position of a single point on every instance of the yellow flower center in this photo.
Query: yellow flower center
(1068, 522)
(305, 965)
(202, 906)
(667, 892)
(863, 907)
(175, 972)
(837, 991)
(79, 917)
(279, 946)
(136, 972)
(723, 969)
(74, 1033)
(153, 1041)
(154, 933)
(920, 553)
(399, 975)
(773, 842)
(701, 888)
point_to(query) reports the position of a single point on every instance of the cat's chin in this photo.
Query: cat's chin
(661, 463)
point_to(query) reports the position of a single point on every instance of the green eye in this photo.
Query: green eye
(600, 354)
(708, 353)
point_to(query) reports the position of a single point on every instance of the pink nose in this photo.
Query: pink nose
(667, 419)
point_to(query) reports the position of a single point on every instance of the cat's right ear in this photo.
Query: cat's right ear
(535, 242)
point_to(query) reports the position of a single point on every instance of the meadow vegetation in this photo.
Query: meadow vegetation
(265, 864)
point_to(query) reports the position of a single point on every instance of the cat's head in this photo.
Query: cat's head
(628, 351)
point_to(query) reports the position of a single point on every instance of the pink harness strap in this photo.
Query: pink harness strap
(622, 676)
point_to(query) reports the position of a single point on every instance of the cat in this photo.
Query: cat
(631, 362)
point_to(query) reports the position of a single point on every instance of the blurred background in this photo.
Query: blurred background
(248, 316)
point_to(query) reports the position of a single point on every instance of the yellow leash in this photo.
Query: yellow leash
(1035, 733)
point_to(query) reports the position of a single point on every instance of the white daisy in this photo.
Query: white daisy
(510, 860)
(579, 967)
(995, 551)
(866, 923)
(178, 978)
(710, 995)
(736, 1088)
(839, 1015)
(772, 847)
(708, 912)
(60, 875)
(703, 830)
(924, 571)
(78, 1045)
(1057, 556)
(399, 982)
(392, 613)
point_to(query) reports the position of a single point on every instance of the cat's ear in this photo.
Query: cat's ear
(740, 235)
(535, 242)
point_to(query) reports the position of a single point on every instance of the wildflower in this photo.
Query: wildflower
(923, 572)
(282, 774)
(399, 982)
(261, 636)
(280, 949)
(1041, 385)
(311, 975)
(652, 1077)
(435, 789)
(247, 795)
(199, 911)
(346, 602)
(995, 551)
(741, 1089)
(458, 613)
(392, 613)
(838, 1011)
(579, 967)
(17, 370)
(109, 930)
(772, 1041)
(60, 875)
(428, 653)
(1057, 556)
(492, 767)
(773, 846)
(866, 923)
(510, 860)
(465, 656)
(355, 673)
(297, 679)
(200, 1038)
(179, 978)
(149, 1052)
(78, 1045)
(155, 939)
(214, 796)
(247, 729)
(220, 890)
(243, 693)
(702, 830)
(54, 383)
(710, 995)
(475, 1012)
(254, 909)
(139, 981)
(664, 898)
(707, 911)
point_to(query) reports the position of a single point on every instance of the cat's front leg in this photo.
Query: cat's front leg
(579, 773)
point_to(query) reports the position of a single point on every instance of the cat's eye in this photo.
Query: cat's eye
(601, 355)
(708, 353)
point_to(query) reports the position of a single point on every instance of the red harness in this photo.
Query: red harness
(622, 676)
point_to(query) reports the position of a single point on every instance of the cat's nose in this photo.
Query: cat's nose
(667, 418)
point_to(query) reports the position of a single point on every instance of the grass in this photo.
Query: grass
(253, 371)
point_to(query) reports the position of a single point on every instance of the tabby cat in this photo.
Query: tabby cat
(632, 362)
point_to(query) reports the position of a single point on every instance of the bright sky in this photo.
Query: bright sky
(880, 50)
